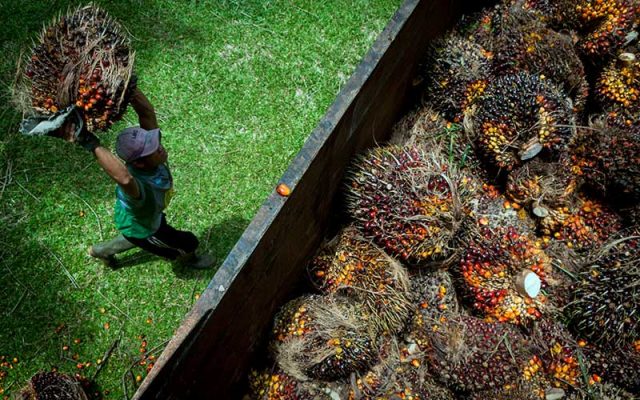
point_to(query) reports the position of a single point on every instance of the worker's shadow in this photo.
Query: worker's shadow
(217, 241)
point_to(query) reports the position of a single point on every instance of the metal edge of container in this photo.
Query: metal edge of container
(361, 115)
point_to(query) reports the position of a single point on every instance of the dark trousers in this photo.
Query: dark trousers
(167, 241)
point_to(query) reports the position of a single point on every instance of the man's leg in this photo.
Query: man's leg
(174, 245)
(106, 251)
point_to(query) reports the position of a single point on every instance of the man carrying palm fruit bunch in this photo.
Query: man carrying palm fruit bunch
(144, 189)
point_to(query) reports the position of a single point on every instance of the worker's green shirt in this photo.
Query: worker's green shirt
(140, 218)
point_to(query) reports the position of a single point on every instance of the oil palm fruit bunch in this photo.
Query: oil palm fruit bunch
(618, 89)
(52, 386)
(494, 261)
(353, 266)
(521, 390)
(619, 366)
(526, 44)
(541, 185)
(457, 75)
(469, 354)
(277, 385)
(82, 58)
(408, 201)
(559, 354)
(518, 116)
(602, 392)
(606, 297)
(582, 226)
(323, 338)
(490, 208)
(608, 159)
(605, 24)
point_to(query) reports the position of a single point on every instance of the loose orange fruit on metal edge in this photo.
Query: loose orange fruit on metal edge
(283, 190)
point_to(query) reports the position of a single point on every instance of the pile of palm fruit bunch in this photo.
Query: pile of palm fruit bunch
(84, 60)
(491, 246)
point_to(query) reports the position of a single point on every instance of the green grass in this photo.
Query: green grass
(238, 86)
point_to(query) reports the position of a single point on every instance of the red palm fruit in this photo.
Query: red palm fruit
(619, 366)
(277, 385)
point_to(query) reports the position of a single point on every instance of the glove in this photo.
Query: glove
(88, 141)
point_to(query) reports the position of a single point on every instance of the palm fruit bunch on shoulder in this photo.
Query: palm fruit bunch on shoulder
(606, 297)
(619, 366)
(493, 258)
(602, 392)
(277, 385)
(84, 59)
(617, 90)
(518, 116)
(353, 266)
(608, 160)
(541, 185)
(559, 354)
(457, 75)
(526, 44)
(323, 338)
(408, 201)
(583, 225)
(52, 386)
(469, 354)
(604, 25)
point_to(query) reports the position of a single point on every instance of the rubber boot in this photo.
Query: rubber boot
(191, 260)
(106, 251)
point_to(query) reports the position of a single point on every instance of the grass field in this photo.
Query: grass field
(238, 86)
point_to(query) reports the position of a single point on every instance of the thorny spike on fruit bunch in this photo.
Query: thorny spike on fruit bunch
(426, 128)
(541, 185)
(618, 90)
(278, 385)
(353, 266)
(605, 25)
(457, 75)
(322, 337)
(526, 44)
(582, 226)
(619, 365)
(469, 354)
(518, 116)
(606, 295)
(608, 159)
(52, 386)
(492, 258)
(399, 375)
(558, 354)
(602, 392)
(408, 201)
(82, 58)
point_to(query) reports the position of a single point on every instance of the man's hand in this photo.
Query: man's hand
(88, 141)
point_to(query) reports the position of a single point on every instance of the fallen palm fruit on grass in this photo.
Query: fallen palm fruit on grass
(352, 266)
(52, 386)
(84, 59)
(518, 116)
(408, 201)
(324, 338)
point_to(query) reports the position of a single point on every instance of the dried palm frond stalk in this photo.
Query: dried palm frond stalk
(527, 45)
(496, 250)
(456, 76)
(608, 159)
(559, 354)
(82, 58)
(469, 354)
(541, 185)
(355, 267)
(408, 201)
(606, 296)
(582, 226)
(52, 386)
(618, 89)
(517, 117)
(323, 337)
(619, 366)
(277, 385)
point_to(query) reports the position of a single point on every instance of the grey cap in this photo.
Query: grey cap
(135, 142)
